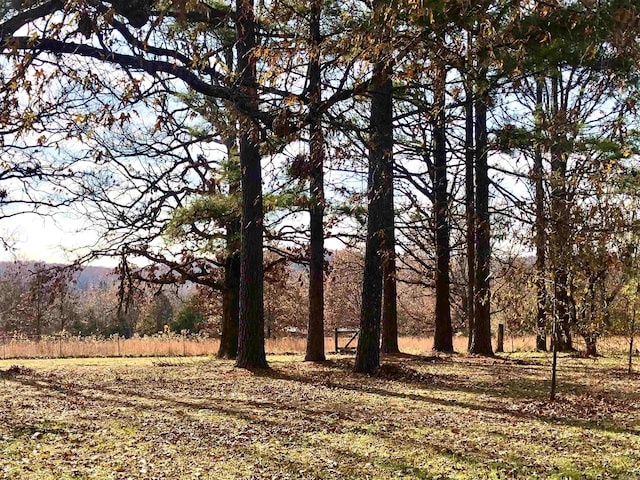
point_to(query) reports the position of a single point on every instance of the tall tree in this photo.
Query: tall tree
(389, 272)
(380, 145)
(232, 270)
(560, 218)
(251, 352)
(540, 228)
(469, 196)
(481, 342)
(380, 154)
(315, 330)
(443, 335)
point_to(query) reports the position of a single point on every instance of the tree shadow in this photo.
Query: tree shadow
(606, 424)
(125, 397)
(276, 414)
(504, 382)
(528, 390)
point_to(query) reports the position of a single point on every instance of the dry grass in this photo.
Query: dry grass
(52, 347)
(175, 345)
(82, 347)
(512, 344)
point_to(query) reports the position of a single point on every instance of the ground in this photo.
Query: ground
(428, 417)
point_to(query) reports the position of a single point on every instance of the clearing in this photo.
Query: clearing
(441, 417)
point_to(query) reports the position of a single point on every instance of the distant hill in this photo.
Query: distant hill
(88, 277)
(94, 276)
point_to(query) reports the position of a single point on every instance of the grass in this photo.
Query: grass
(56, 347)
(176, 345)
(431, 417)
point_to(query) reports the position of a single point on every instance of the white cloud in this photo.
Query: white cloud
(37, 238)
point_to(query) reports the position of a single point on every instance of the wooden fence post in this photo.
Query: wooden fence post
(500, 346)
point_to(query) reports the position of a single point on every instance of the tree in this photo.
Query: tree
(251, 352)
(155, 315)
(443, 334)
(315, 329)
(577, 77)
(481, 341)
(540, 231)
(188, 318)
(380, 154)
(130, 52)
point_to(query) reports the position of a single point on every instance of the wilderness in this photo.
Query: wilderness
(241, 190)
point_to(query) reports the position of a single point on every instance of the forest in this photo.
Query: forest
(259, 170)
(481, 157)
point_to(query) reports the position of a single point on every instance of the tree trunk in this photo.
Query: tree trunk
(560, 224)
(251, 353)
(563, 311)
(591, 345)
(481, 342)
(554, 361)
(231, 294)
(632, 333)
(540, 228)
(469, 155)
(315, 331)
(443, 335)
(380, 151)
(390, 292)
(390, 304)
(230, 297)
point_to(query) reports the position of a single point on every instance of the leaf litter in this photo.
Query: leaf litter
(454, 417)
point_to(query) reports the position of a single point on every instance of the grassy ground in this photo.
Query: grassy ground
(420, 417)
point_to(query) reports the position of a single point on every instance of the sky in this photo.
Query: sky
(36, 238)
(44, 239)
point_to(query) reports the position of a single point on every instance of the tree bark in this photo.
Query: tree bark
(481, 342)
(469, 184)
(540, 233)
(591, 343)
(389, 287)
(251, 352)
(380, 151)
(230, 308)
(390, 300)
(632, 333)
(315, 330)
(560, 224)
(443, 334)
(230, 296)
